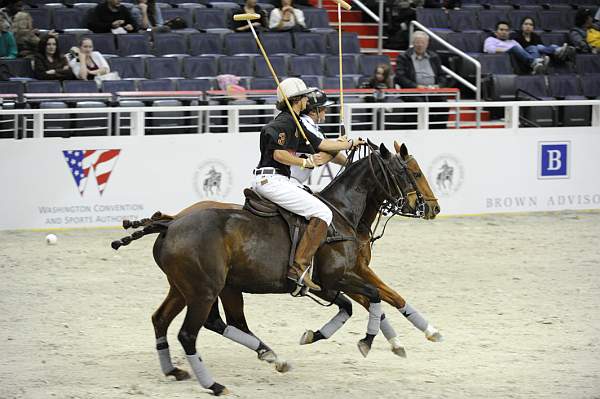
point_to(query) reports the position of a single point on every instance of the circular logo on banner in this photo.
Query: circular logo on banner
(446, 175)
(212, 180)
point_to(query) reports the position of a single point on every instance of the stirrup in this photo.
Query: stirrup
(300, 289)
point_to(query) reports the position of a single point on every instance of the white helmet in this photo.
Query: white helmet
(293, 87)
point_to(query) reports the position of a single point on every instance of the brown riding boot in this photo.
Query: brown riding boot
(314, 235)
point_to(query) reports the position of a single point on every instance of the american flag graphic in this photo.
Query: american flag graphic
(80, 163)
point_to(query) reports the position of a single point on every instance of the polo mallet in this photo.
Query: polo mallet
(341, 4)
(251, 17)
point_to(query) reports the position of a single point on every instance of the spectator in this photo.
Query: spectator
(500, 43)
(381, 79)
(250, 7)
(147, 14)
(421, 68)
(578, 34)
(111, 16)
(49, 63)
(286, 18)
(532, 43)
(85, 63)
(8, 45)
(398, 16)
(10, 9)
(25, 35)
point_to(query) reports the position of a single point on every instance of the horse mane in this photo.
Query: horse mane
(347, 169)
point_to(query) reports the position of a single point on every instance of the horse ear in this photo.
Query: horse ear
(403, 151)
(385, 153)
(396, 147)
(372, 145)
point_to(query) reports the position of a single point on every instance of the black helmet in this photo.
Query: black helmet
(317, 99)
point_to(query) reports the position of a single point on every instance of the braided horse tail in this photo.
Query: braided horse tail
(159, 222)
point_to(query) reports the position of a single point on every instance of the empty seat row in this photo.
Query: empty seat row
(510, 87)
(502, 64)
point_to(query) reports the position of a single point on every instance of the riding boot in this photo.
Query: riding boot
(315, 234)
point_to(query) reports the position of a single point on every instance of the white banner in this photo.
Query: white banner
(98, 181)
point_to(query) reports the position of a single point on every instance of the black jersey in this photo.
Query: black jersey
(281, 134)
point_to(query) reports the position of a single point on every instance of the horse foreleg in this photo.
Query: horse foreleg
(393, 298)
(333, 325)
(161, 319)
(237, 329)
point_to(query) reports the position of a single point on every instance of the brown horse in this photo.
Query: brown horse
(222, 252)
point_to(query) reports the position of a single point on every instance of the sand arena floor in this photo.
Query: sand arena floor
(516, 297)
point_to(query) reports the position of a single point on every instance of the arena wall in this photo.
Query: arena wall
(477, 171)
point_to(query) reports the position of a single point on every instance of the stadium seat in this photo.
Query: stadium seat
(205, 43)
(66, 18)
(306, 65)
(132, 44)
(113, 86)
(19, 68)
(310, 43)
(591, 85)
(66, 41)
(239, 43)
(495, 64)
(489, 18)
(277, 42)
(104, 43)
(312, 80)
(210, 18)
(80, 86)
(332, 66)
(261, 69)
(128, 67)
(43, 86)
(535, 85)
(185, 14)
(558, 38)
(194, 84)
(568, 87)
(194, 67)
(236, 65)
(316, 18)
(263, 84)
(368, 63)
(587, 63)
(41, 18)
(162, 67)
(350, 43)
(156, 85)
(462, 20)
(169, 43)
(503, 88)
(552, 20)
(12, 87)
(330, 82)
(432, 18)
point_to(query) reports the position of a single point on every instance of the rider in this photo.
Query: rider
(279, 141)
(313, 114)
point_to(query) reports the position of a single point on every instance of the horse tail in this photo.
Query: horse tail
(158, 223)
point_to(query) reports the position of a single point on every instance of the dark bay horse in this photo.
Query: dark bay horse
(222, 252)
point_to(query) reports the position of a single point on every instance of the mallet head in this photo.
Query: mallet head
(246, 17)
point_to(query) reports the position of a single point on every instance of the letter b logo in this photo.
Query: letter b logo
(553, 160)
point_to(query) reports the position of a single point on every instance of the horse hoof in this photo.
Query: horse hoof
(399, 351)
(115, 244)
(219, 389)
(307, 337)
(179, 374)
(282, 366)
(435, 337)
(363, 347)
(126, 224)
(268, 356)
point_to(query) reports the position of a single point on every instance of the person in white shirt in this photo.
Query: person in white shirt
(86, 63)
(313, 114)
(286, 18)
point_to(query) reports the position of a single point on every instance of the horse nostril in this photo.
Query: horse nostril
(436, 209)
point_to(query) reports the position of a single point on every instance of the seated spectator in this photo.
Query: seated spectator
(578, 34)
(25, 35)
(111, 16)
(9, 8)
(286, 18)
(85, 63)
(147, 14)
(421, 68)
(532, 43)
(381, 79)
(398, 15)
(49, 63)
(250, 7)
(8, 45)
(500, 43)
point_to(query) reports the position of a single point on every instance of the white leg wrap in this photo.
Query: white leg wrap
(414, 317)
(200, 371)
(374, 318)
(388, 330)
(164, 356)
(237, 335)
(334, 324)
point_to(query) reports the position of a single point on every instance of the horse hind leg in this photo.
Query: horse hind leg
(333, 325)
(161, 319)
(237, 329)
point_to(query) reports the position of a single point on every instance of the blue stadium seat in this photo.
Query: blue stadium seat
(195, 84)
(332, 66)
(350, 43)
(194, 67)
(310, 43)
(306, 65)
(495, 64)
(312, 80)
(171, 13)
(205, 43)
(588, 63)
(162, 67)
(43, 86)
(488, 19)
(128, 67)
(432, 18)
(19, 68)
(462, 20)
(316, 18)
(261, 69)
(236, 65)
(80, 86)
(553, 20)
(472, 42)
(239, 43)
(368, 63)
(263, 84)
(277, 42)
(558, 38)
(533, 84)
(113, 86)
(169, 43)
(536, 86)
(591, 85)
(133, 44)
(104, 42)
(564, 86)
(156, 85)
(210, 18)
(66, 18)
(330, 82)
(12, 87)
(66, 41)
(41, 17)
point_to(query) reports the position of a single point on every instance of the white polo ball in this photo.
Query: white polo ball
(51, 239)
